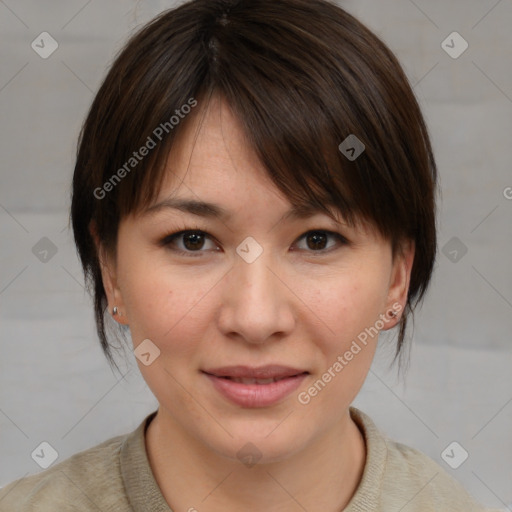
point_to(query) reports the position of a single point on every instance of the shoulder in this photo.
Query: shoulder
(88, 480)
(397, 476)
(415, 477)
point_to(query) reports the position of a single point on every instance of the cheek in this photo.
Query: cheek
(347, 303)
(169, 306)
(170, 312)
(349, 309)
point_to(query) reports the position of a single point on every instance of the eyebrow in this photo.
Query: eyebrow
(215, 211)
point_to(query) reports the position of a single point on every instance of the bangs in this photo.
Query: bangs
(296, 108)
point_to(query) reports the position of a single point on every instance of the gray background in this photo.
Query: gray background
(55, 384)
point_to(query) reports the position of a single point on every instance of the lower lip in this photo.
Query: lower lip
(256, 395)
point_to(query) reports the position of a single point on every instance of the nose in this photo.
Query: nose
(257, 303)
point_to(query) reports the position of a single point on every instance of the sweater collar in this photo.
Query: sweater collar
(139, 482)
(144, 493)
(367, 497)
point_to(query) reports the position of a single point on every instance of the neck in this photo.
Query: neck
(322, 477)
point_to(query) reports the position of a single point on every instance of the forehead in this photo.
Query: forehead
(212, 146)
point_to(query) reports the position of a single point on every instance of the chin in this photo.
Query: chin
(262, 443)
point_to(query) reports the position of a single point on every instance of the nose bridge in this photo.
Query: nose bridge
(255, 281)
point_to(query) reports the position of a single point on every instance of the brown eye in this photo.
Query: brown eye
(316, 241)
(187, 242)
(193, 240)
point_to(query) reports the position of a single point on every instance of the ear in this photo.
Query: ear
(108, 276)
(399, 281)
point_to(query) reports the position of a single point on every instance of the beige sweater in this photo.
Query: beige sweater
(115, 476)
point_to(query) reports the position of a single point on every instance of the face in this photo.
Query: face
(250, 289)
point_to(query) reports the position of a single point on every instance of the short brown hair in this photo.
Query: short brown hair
(301, 76)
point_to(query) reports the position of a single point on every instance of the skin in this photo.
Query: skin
(295, 305)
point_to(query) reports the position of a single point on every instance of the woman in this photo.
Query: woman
(254, 200)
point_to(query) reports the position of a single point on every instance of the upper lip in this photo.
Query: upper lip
(272, 371)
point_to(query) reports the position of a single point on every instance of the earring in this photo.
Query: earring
(115, 311)
(393, 313)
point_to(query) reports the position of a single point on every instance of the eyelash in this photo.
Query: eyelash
(168, 240)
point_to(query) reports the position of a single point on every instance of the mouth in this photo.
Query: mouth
(255, 387)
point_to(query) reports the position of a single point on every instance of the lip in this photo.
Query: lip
(270, 371)
(256, 395)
